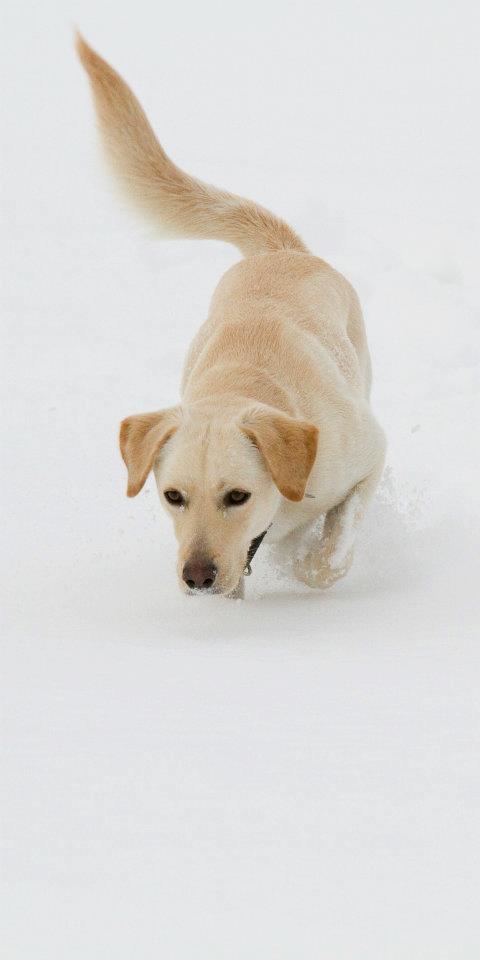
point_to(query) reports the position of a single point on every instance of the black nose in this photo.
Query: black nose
(199, 574)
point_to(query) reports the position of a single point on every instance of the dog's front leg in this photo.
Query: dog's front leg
(331, 557)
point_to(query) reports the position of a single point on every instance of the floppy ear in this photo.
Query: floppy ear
(288, 446)
(141, 438)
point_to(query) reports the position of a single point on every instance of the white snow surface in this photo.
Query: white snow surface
(296, 775)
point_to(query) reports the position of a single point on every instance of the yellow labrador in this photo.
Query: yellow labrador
(274, 429)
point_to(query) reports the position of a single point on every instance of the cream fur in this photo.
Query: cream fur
(275, 391)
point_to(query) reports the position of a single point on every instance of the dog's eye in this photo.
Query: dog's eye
(235, 497)
(174, 497)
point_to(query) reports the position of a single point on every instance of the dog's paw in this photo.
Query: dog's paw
(321, 568)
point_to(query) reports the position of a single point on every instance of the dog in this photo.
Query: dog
(274, 430)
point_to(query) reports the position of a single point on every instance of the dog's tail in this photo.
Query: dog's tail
(181, 205)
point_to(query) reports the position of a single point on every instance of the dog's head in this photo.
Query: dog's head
(221, 474)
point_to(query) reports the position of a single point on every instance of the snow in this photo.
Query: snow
(296, 774)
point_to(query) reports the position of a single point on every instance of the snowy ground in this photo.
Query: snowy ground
(296, 775)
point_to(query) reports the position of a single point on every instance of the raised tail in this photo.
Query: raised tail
(180, 204)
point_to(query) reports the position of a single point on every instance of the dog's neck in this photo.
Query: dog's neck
(237, 388)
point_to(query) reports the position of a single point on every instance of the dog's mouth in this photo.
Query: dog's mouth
(216, 589)
(200, 576)
(202, 591)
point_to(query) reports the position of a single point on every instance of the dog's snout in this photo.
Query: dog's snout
(199, 574)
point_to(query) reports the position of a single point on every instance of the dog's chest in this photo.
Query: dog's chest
(289, 517)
